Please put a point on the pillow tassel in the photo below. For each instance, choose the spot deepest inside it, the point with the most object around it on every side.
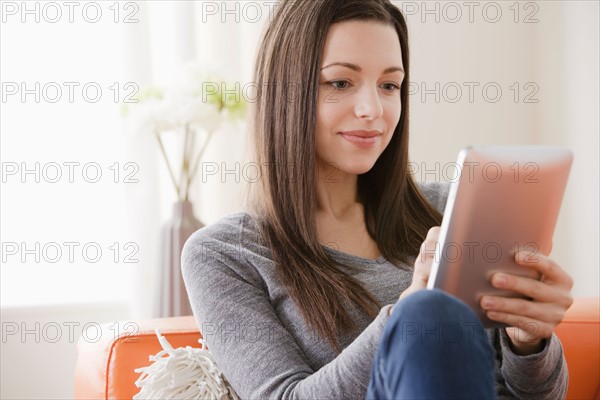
(182, 373)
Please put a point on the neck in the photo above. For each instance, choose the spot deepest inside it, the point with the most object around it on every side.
(336, 192)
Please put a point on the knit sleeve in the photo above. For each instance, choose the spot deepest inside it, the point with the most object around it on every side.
(542, 375)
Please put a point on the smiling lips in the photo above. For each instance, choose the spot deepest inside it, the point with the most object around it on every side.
(362, 139)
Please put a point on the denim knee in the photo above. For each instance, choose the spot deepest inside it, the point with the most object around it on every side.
(434, 318)
(433, 346)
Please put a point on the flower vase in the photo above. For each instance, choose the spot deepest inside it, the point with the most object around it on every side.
(173, 299)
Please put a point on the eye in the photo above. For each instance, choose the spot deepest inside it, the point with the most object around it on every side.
(339, 85)
(390, 87)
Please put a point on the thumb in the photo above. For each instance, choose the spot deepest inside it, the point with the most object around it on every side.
(425, 257)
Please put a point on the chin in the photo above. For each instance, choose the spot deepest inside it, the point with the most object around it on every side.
(359, 169)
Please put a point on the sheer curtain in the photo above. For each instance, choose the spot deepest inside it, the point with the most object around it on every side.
(170, 34)
(137, 43)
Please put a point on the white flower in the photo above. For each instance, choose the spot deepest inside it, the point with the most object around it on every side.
(148, 117)
(182, 109)
(192, 104)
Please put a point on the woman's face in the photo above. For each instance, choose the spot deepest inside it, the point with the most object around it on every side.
(359, 95)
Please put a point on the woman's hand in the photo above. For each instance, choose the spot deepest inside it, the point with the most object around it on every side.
(533, 320)
(423, 262)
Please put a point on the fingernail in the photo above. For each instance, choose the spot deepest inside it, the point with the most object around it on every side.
(493, 315)
(488, 302)
(500, 279)
(518, 256)
(521, 257)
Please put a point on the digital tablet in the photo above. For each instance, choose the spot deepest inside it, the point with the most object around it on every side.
(501, 198)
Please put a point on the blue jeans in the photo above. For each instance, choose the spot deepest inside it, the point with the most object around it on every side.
(433, 347)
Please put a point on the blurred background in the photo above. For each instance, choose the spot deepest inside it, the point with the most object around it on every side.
(83, 198)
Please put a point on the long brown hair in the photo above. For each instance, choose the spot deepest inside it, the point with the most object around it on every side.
(284, 200)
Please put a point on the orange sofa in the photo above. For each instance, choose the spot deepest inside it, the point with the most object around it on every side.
(105, 368)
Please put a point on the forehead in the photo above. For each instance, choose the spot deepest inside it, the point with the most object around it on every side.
(364, 43)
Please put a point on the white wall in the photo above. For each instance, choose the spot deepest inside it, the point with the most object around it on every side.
(582, 132)
(559, 55)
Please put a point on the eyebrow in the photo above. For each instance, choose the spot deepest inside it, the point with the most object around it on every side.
(356, 68)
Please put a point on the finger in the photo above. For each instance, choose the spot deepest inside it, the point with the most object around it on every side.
(426, 256)
(534, 289)
(551, 271)
(546, 312)
(422, 268)
(428, 247)
(432, 234)
(530, 330)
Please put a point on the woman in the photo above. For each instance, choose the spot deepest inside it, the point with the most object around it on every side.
(298, 296)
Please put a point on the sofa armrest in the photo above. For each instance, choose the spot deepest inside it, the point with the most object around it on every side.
(579, 333)
(106, 359)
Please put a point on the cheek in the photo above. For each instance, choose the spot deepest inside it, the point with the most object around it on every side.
(322, 129)
(394, 110)
(328, 115)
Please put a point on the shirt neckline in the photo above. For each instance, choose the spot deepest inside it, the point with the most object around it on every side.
(352, 257)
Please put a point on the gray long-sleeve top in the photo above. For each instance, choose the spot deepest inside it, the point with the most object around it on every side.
(258, 337)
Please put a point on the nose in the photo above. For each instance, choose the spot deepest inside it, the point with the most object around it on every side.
(368, 104)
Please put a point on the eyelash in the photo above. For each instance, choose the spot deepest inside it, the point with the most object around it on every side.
(396, 87)
(333, 84)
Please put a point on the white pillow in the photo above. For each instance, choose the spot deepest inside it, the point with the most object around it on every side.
(182, 373)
